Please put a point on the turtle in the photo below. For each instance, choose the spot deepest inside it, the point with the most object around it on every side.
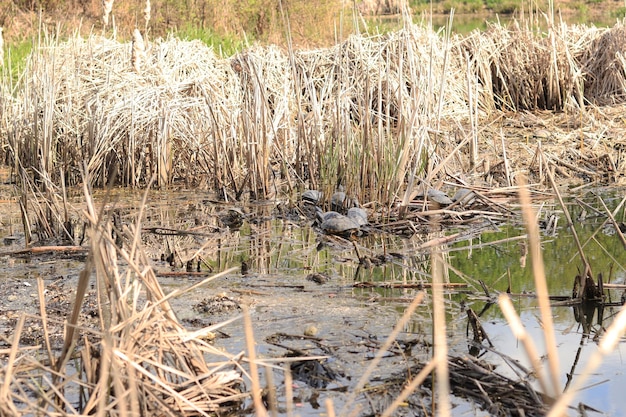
(334, 223)
(232, 218)
(338, 200)
(464, 197)
(312, 197)
(322, 216)
(358, 215)
(438, 197)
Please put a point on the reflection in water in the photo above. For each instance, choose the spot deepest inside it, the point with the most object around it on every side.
(584, 314)
(479, 334)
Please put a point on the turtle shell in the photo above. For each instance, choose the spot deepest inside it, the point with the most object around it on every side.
(439, 197)
(322, 216)
(338, 201)
(358, 215)
(312, 196)
(339, 225)
(464, 197)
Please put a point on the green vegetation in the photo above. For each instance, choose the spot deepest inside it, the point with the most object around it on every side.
(223, 45)
(619, 13)
(15, 58)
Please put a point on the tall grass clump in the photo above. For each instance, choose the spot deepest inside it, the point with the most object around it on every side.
(526, 69)
(260, 122)
(371, 113)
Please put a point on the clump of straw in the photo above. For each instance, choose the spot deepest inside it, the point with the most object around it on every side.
(605, 62)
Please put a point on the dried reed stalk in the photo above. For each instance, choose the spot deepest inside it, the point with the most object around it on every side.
(259, 408)
(440, 342)
(1, 47)
(107, 6)
(146, 14)
(543, 298)
(520, 333)
(138, 55)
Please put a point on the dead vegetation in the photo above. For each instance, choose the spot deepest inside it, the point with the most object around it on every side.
(370, 113)
(388, 117)
(135, 357)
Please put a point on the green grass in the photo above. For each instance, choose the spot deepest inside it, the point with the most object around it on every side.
(224, 45)
(15, 56)
(619, 13)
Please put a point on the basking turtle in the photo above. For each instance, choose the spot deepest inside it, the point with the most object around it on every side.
(334, 223)
(322, 216)
(232, 218)
(337, 200)
(438, 197)
(464, 197)
(358, 215)
(312, 196)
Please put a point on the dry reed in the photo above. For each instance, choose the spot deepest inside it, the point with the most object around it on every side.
(107, 7)
(146, 14)
(139, 360)
(138, 55)
(1, 48)
(369, 113)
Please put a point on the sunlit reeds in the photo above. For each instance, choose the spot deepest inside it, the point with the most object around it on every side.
(146, 14)
(369, 113)
(107, 8)
(138, 55)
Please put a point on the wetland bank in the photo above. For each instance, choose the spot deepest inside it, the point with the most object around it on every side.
(154, 221)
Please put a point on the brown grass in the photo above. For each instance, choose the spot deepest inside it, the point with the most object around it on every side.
(139, 359)
(377, 115)
(370, 113)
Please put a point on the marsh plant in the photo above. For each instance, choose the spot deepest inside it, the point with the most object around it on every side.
(369, 113)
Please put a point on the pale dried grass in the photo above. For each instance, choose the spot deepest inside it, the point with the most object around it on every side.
(139, 360)
(371, 113)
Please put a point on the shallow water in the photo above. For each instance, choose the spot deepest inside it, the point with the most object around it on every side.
(349, 323)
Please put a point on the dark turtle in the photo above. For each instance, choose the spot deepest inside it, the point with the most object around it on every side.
(334, 223)
(322, 216)
(339, 201)
(358, 215)
(232, 218)
(341, 225)
(464, 197)
(312, 196)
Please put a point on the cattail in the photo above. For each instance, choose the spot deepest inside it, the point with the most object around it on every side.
(1, 48)
(108, 6)
(146, 13)
(139, 51)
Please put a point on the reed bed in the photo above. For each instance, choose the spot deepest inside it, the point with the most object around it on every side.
(370, 113)
(136, 358)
